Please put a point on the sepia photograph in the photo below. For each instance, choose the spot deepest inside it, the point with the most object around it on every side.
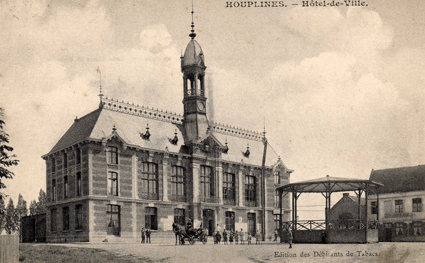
(212, 131)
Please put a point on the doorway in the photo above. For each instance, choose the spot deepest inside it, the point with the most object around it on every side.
(208, 221)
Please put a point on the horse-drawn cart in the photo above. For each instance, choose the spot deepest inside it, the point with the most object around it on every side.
(190, 235)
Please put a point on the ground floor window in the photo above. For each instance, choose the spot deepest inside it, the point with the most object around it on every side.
(150, 218)
(277, 221)
(79, 217)
(179, 216)
(399, 229)
(417, 228)
(113, 219)
(65, 218)
(230, 221)
(53, 218)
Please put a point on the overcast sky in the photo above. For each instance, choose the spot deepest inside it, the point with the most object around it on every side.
(341, 89)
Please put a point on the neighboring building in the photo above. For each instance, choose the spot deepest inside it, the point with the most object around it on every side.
(33, 228)
(399, 204)
(122, 168)
(345, 213)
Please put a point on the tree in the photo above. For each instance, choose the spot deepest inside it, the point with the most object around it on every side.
(10, 218)
(41, 204)
(33, 208)
(21, 207)
(2, 214)
(6, 159)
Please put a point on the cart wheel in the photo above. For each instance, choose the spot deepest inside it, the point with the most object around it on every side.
(204, 241)
(191, 241)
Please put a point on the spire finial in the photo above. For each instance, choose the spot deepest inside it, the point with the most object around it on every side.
(100, 86)
(192, 35)
(264, 129)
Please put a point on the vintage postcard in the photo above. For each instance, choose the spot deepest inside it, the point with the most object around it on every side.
(264, 131)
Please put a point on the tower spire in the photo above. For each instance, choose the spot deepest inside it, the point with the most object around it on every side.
(193, 34)
(100, 86)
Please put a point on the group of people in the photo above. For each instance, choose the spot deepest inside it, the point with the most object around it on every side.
(235, 236)
(146, 235)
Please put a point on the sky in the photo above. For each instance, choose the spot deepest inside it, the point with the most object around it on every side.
(338, 89)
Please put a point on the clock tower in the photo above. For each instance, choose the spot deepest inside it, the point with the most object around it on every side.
(194, 100)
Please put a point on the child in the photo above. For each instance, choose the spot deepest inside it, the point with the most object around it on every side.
(225, 237)
(257, 238)
(249, 239)
(231, 236)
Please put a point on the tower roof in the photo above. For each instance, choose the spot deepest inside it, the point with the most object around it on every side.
(193, 55)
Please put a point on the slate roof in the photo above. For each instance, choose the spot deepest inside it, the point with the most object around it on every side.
(130, 121)
(398, 180)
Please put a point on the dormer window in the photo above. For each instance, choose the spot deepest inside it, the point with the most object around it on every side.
(112, 155)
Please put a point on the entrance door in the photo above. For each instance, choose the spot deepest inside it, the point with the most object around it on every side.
(251, 224)
(388, 232)
(208, 221)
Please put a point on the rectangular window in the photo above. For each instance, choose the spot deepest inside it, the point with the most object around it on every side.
(79, 217)
(177, 182)
(276, 198)
(53, 218)
(417, 204)
(113, 219)
(65, 218)
(277, 221)
(277, 177)
(65, 187)
(399, 229)
(229, 188)
(398, 206)
(150, 181)
(230, 220)
(250, 190)
(78, 186)
(373, 207)
(112, 183)
(65, 161)
(112, 155)
(179, 217)
(53, 165)
(207, 182)
(150, 218)
(78, 156)
(417, 228)
(53, 190)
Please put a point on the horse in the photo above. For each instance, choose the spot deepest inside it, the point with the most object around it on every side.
(179, 232)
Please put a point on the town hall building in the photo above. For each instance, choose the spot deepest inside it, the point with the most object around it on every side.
(124, 167)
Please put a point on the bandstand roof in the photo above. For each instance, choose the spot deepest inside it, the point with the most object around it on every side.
(328, 184)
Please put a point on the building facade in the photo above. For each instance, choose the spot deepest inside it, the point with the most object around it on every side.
(123, 167)
(398, 208)
(345, 213)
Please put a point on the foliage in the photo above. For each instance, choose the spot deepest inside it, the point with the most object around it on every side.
(11, 223)
(41, 204)
(2, 214)
(6, 159)
(33, 208)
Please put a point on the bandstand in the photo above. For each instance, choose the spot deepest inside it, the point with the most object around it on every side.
(325, 231)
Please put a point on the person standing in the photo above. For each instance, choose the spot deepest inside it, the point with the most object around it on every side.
(257, 238)
(225, 237)
(290, 237)
(241, 236)
(236, 237)
(231, 237)
(143, 235)
(275, 234)
(249, 237)
(148, 236)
